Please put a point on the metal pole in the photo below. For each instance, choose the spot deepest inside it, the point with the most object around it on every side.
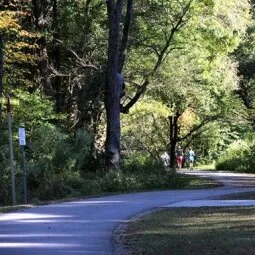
(24, 174)
(11, 151)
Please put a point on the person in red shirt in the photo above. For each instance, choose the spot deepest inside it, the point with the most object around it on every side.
(179, 157)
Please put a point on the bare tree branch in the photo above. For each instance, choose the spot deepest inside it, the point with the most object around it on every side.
(196, 128)
(79, 60)
(161, 57)
(140, 91)
(144, 146)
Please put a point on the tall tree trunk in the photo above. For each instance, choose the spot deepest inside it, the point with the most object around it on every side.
(173, 139)
(112, 89)
(56, 83)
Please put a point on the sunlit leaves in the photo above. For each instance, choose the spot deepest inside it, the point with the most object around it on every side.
(218, 25)
(19, 46)
(197, 77)
(145, 126)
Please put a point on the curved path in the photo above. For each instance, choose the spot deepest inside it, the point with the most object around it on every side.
(86, 226)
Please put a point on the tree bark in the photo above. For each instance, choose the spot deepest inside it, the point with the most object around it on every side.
(112, 89)
(173, 139)
(174, 134)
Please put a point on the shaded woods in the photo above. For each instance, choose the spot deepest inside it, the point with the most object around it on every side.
(105, 87)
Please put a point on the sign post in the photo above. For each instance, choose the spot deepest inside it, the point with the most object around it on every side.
(22, 143)
(8, 102)
(11, 150)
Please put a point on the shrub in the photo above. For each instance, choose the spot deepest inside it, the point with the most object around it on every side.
(240, 157)
(140, 163)
(91, 187)
(55, 161)
(138, 172)
(5, 172)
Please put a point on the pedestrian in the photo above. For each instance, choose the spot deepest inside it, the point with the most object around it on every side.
(166, 159)
(191, 158)
(179, 156)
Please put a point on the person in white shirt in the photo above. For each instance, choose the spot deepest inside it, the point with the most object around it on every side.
(165, 159)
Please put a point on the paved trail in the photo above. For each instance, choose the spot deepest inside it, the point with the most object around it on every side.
(85, 227)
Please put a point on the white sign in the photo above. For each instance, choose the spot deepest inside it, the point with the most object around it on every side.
(22, 136)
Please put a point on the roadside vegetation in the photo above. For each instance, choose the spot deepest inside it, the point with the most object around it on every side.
(105, 94)
(133, 177)
(239, 156)
(192, 231)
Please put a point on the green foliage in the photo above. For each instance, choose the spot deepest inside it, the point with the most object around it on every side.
(138, 173)
(140, 162)
(197, 77)
(245, 57)
(55, 162)
(239, 157)
(145, 128)
(119, 182)
(5, 172)
(19, 46)
(91, 186)
(34, 110)
(5, 183)
(214, 139)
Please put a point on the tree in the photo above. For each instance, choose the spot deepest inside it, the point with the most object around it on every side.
(114, 78)
(154, 38)
(18, 46)
(244, 54)
(205, 44)
(144, 129)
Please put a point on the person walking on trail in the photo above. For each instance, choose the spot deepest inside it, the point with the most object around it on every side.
(165, 159)
(191, 157)
(179, 157)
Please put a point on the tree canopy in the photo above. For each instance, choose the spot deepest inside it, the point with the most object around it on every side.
(121, 77)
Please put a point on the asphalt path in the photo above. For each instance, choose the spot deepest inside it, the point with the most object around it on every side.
(86, 226)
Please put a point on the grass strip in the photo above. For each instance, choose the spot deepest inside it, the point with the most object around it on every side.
(188, 231)
(239, 196)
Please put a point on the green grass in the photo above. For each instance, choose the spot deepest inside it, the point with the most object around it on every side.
(205, 167)
(194, 182)
(198, 231)
(6, 209)
(239, 196)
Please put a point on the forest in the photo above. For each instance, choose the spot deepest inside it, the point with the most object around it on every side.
(105, 87)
